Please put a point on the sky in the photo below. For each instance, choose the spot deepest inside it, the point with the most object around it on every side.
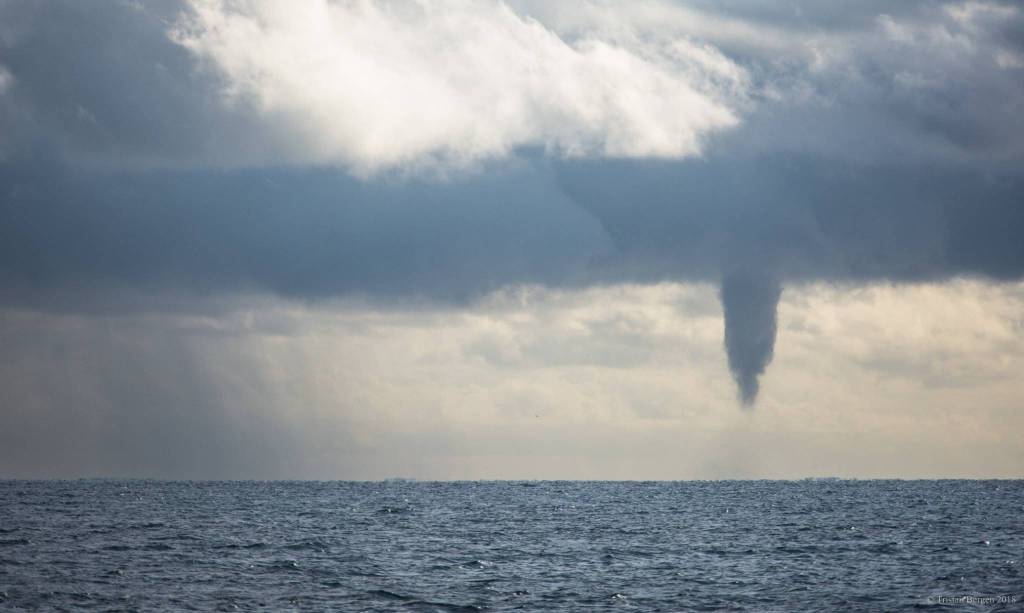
(477, 239)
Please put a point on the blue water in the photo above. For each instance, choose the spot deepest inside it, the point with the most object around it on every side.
(499, 546)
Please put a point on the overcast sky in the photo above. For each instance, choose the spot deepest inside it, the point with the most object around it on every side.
(522, 239)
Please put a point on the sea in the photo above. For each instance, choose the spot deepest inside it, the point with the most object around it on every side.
(812, 545)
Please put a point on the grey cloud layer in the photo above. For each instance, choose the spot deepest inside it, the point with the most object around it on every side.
(874, 142)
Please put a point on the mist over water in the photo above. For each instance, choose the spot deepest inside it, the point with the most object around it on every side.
(502, 546)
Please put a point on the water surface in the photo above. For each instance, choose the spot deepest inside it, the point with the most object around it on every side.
(502, 546)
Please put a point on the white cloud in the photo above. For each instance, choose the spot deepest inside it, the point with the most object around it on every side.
(379, 85)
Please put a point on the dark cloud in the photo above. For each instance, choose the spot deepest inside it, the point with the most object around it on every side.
(105, 85)
(318, 233)
(804, 219)
(300, 233)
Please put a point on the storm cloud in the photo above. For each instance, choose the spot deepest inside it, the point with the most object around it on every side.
(340, 149)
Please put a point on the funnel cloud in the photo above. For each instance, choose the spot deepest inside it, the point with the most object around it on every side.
(750, 303)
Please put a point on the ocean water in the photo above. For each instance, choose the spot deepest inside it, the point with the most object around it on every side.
(512, 546)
